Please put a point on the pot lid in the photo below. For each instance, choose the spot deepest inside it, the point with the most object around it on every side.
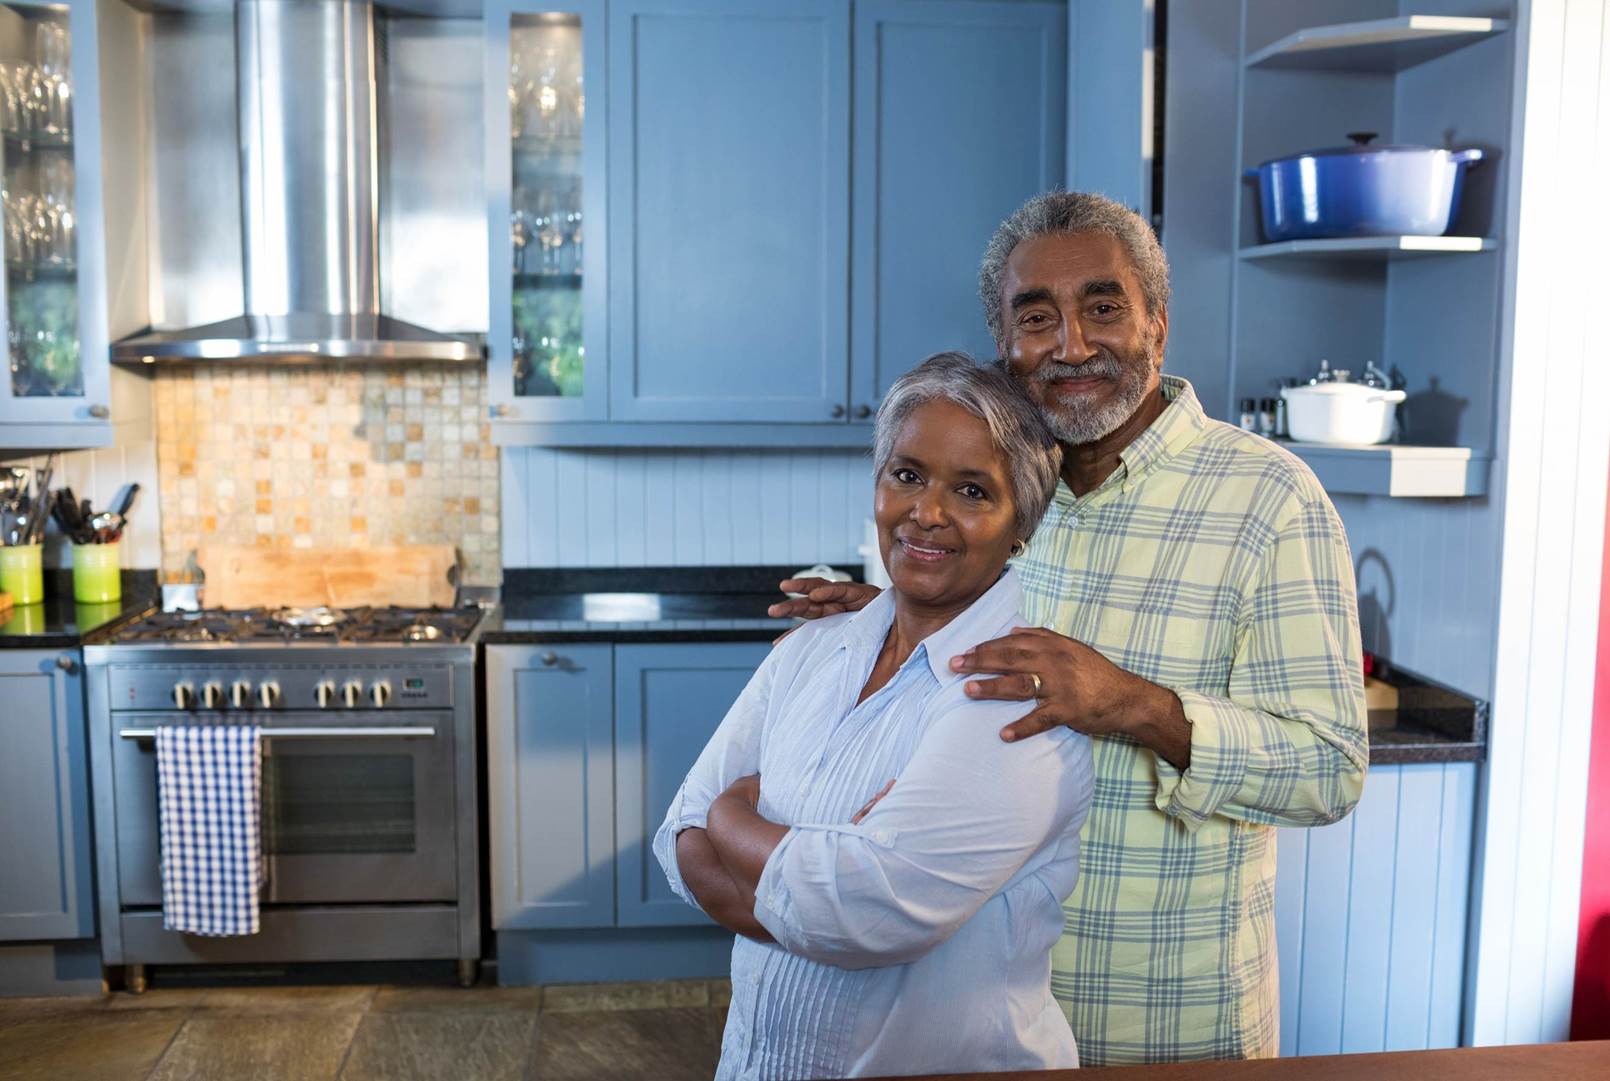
(1361, 145)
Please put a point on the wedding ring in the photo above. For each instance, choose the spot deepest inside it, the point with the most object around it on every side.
(1036, 681)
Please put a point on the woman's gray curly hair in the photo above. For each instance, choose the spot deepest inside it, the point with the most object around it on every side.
(1073, 212)
(1033, 457)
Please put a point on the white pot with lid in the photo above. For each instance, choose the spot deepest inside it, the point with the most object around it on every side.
(1341, 412)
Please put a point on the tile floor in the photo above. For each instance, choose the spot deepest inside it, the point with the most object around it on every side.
(665, 1031)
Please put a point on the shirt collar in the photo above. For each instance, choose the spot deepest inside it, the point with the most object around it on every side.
(1175, 428)
(981, 621)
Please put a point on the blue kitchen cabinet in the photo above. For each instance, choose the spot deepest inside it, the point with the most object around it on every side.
(729, 194)
(56, 391)
(1370, 916)
(550, 782)
(959, 116)
(44, 798)
(545, 85)
(669, 699)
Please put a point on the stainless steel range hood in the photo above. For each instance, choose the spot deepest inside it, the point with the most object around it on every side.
(307, 109)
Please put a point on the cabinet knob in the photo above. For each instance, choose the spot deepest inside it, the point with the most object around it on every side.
(66, 663)
(838, 409)
(862, 412)
(501, 410)
(550, 659)
(99, 412)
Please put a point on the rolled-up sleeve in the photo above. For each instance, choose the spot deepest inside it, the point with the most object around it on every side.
(965, 815)
(1288, 746)
(733, 752)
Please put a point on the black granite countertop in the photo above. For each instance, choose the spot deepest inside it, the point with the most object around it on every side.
(728, 604)
(1432, 723)
(668, 604)
(59, 621)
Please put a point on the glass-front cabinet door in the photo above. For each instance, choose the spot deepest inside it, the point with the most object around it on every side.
(54, 391)
(545, 174)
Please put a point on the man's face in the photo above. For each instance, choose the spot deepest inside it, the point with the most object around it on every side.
(1078, 335)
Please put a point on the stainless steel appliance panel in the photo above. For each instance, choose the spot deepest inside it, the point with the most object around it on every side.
(307, 102)
(345, 818)
(432, 195)
(151, 686)
(193, 186)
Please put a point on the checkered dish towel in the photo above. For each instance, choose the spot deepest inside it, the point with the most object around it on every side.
(209, 778)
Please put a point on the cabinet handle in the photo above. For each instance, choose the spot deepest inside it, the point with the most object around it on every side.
(838, 409)
(550, 659)
(100, 412)
(501, 410)
(862, 412)
(66, 663)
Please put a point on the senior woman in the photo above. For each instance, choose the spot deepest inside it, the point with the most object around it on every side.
(894, 870)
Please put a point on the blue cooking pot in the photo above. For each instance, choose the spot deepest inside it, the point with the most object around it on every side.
(1361, 190)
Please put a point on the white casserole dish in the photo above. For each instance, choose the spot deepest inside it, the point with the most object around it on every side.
(1341, 413)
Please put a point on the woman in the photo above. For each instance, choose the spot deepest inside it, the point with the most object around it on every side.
(894, 870)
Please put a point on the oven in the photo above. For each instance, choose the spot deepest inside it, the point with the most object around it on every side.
(368, 795)
(354, 808)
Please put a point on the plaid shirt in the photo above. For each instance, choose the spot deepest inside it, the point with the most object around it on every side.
(1212, 563)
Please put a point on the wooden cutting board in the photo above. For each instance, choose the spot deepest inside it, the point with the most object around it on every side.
(413, 575)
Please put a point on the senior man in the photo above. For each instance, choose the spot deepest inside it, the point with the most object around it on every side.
(1196, 614)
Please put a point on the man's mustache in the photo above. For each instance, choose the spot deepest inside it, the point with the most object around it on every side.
(1104, 365)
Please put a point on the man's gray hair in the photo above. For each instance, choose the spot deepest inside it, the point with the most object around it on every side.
(1073, 212)
(1033, 457)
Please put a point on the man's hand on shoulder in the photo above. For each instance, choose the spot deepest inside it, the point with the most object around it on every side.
(1075, 686)
(821, 598)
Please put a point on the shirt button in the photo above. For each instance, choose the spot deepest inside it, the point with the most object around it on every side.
(804, 787)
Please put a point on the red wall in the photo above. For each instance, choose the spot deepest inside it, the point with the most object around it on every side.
(1590, 1007)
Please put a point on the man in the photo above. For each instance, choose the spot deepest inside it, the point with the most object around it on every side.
(1203, 627)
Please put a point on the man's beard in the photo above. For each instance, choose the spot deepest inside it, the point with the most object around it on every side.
(1076, 422)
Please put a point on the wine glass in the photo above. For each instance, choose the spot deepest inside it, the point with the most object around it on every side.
(55, 88)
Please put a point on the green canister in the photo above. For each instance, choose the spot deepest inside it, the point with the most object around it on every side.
(96, 577)
(22, 573)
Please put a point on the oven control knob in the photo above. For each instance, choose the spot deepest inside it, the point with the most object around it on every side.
(324, 692)
(380, 693)
(212, 694)
(352, 693)
(184, 695)
(240, 694)
(268, 694)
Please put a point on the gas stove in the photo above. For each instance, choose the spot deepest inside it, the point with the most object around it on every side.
(367, 721)
(301, 626)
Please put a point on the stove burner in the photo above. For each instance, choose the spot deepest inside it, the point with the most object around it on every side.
(291, 626)
(308, 617)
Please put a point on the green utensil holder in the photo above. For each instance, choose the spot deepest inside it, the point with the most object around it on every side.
(96, 578)
(22, 573)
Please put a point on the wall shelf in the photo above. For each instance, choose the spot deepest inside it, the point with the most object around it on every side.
(1370, 247)
(1379, 45)
(1390, 470)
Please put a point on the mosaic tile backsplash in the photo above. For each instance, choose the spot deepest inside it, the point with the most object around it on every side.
(330, 456)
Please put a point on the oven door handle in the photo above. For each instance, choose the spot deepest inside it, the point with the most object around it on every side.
(347, 732)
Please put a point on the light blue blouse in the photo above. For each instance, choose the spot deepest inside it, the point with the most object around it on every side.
(919, 940)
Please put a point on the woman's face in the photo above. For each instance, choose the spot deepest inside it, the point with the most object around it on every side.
(944, 508)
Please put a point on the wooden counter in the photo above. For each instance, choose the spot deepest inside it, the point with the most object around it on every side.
(1534, 1062)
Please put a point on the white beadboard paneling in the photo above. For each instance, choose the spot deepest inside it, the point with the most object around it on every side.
(1556, 436)
(1426, 573)
(623, 508)
(1370, 916)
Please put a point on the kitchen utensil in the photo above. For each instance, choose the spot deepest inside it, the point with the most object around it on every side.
(1361, 190)
(104, 526)
(241, 576)
(126, 500)
(1337, 412)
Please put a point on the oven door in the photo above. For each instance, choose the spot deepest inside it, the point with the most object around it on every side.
(355, 807)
